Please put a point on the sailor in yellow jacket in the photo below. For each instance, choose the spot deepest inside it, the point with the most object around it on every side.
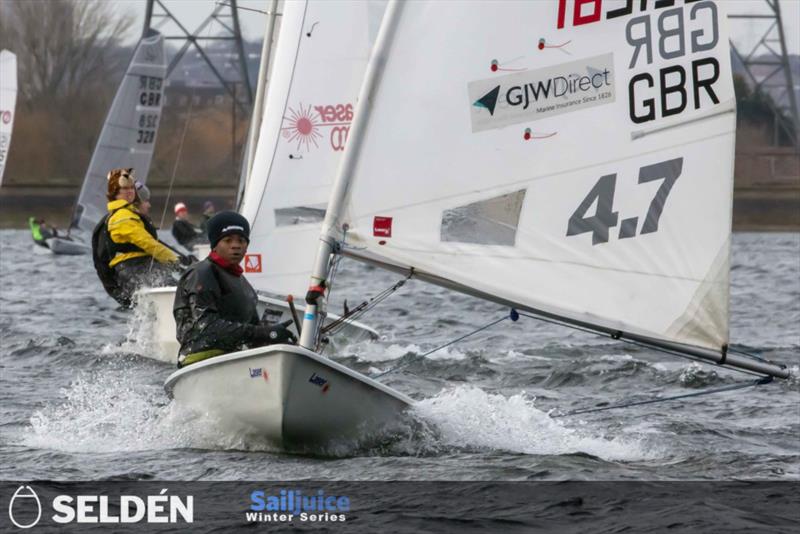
(138, 258)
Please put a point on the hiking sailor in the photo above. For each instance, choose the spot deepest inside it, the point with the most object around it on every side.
(215, 307)
(125, 246)
(41, 232)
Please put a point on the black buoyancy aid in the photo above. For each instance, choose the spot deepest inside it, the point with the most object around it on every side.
(104, 249)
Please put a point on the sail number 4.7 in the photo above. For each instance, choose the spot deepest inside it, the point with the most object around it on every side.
(602, 196)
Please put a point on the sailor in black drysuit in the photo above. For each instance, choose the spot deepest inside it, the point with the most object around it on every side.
(215, 307)
(184, 232)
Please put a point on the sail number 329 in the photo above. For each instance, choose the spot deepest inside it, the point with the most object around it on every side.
(602, 196)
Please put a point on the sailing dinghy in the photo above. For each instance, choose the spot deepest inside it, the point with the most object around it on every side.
(309, 106)
(127, 140)
(8, 103)
(572, 163)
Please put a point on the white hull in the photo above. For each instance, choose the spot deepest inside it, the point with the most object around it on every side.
(290, 397)
(67, 247)
(201, 251)
(161, 322)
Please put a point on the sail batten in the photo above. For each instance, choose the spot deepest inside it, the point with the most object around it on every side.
(591, 180)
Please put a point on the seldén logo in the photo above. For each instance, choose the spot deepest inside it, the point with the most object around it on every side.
(25, 508)
(21, 505)
(523, 97)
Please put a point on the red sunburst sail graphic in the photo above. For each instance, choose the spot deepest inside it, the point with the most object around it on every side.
(302, 125)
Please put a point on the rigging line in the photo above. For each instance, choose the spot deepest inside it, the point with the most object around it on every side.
(337, 325)
(757, 382)
(513, 316)
(751, 355)
(175, 168)
(365, 306)
(177, 158)
(633, 342)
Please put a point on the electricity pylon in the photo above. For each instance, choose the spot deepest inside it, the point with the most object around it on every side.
(225, 17)
(768, 70)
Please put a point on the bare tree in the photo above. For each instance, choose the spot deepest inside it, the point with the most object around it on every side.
(62, 46)
(70, 60)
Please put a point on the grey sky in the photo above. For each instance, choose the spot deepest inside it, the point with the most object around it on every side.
(744, 33)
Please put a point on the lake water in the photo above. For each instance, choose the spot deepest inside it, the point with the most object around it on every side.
(79, 401)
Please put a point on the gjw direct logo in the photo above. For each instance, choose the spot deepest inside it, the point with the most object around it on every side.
(25, 508)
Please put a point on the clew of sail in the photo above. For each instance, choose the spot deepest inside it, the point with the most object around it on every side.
(129, 133)
(575, 163)
(8, 102)
(320, 58)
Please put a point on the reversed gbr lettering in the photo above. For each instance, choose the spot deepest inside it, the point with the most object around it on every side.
(673, 34)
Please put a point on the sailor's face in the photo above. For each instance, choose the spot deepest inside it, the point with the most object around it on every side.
(126, 193)
(232, 248)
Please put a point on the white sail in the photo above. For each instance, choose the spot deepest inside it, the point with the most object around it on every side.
(264, 74)
(8, 102)
(319, 63)
(128, 136)
(578, 163)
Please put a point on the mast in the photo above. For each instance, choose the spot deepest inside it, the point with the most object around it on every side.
(258, 109)
(329, 233)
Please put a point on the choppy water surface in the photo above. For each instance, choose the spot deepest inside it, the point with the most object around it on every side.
(79, 401)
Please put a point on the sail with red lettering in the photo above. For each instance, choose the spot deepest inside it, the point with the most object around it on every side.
(573, 158)
(320, 58)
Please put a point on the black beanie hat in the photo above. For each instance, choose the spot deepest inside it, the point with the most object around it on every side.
(227, 223)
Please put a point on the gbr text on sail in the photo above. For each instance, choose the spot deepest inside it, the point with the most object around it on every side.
(672, 45)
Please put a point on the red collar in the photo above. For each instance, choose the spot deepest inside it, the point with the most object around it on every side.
(233, 268)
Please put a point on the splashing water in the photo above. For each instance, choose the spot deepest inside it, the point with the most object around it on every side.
(373, 353)
(114, 410)
(470, 417)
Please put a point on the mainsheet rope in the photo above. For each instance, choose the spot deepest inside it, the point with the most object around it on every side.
(514, 315)
(732, 387)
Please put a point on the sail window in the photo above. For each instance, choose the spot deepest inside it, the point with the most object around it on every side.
(488, 222)
(299, 215)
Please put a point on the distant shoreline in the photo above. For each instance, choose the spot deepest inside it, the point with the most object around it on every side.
(55, 204)
(754, 209)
